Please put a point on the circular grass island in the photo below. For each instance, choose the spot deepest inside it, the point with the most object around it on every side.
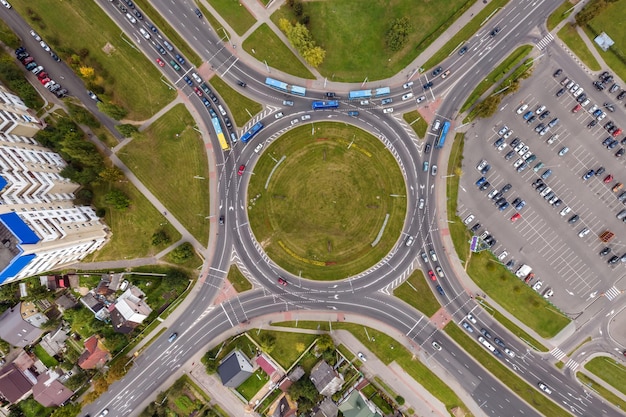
(326, 205)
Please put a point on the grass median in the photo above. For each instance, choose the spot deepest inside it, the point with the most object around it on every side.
(237, 16)
(465, 34)
(417, 123)
(416, 292)
(458, 232)
(238, 280)
(240, 106)
(265, 46)
(561, 13)
(610, 371)
(164, 26)
(569, 35)
(510, 62)
(601, 390)
(389, 350)
(169, 157)
(502, 373)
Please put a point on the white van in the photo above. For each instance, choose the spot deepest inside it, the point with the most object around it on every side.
(144, 33)
(436, 125)
(221, 109)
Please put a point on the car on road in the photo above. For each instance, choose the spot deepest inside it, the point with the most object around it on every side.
(287, 103)
(432, 276)
(471, 318)
(160, 62)
(467, 327)
(440, 290)
(407, 96)
(436, 345)
(386, 101)
(407, 85)
(282, 282)
(105, 411)
(543, 387)
(388, 110)
(433, 170)
(433, 255)
(437, 71)
(361, 356)
(170, 339)
(428, 85)
(509, 352)
(242, 168)
(463, 50)
(279, 115)
(495, 31)
(420, 99)
(424, 257)
(409, 241)
(439, 271)
(485, 333)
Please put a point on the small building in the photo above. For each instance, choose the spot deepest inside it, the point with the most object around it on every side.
(14, 386)
(234, 369)
(356, 405)
(49, 392)
(326, 408)
(95, 354)
(96, 306)
(15, 330)
(54, 342)
(283, 408)
(129, 310)
(326, 380)
(66, 301)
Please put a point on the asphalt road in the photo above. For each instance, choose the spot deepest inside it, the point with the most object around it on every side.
(202, 323)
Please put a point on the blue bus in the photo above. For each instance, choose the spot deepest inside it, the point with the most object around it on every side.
(251, 132)
(442, 136)
(333, 104)
(359, 94)
(283, 86)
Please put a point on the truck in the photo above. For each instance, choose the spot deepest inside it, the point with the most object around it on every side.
(523, 271)
(606, 236)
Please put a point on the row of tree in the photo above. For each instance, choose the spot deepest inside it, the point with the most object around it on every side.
(301, 39)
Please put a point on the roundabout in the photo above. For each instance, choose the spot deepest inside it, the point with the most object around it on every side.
(326, 205)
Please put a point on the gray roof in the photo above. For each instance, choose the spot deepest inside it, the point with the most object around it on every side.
(234, 369)
(327, 408)
(324, 378)
(15, 330)
(357, 406)
(13, 384)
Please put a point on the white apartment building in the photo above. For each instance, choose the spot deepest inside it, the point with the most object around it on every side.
(40, 227)
(15, 117)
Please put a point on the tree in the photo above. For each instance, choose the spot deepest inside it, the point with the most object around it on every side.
(113, 110)
(314, 56)
(84, 197)
(304, 393)
(127, 130)
(325, 342)
(86, 72)
(488, 106)
(398, 33)
(267, 341)
(298, 9)
(182, 253)
(111, 174)
(117, 199)
(70, 410)
(159, 237)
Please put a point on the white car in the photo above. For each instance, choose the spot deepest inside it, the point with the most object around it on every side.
(503, 255)
(44, 46)
(362, 357)
(549, 293)
(436, 345)
(537, 285)
(144, 33)
(552, 139)
(130, 18)
(523, 150)
(278, 115)
(492, 193)
(509, 352)
(584, 232)
(407, 96)
(364, 102)
(5, 3)
(507, 134)
(294, 121)
(421, 204)
(565, 211)
(578, 92)
(502, 130)
(543, 387)
(563, 151)
(196, 77)
(35, 35)
(481, 164)
(258, 148)
(468, 219)
(420, 99)
(527, 155)
(502, 146)
(521, 108)
(601, 116)
(574, 88)
(305, 117)
(593, 108)
(407, 85)
(517, 163)
(388, 110)
(471, 318)
(540, 109)
(519, 147)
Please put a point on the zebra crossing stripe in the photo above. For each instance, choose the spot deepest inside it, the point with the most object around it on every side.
(557, 353)
(545, 41)
(612, 293)
(572, 364)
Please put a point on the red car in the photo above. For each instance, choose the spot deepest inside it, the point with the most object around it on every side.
(282, 282)
(42, 75)
(160, 62)
(608, 179)
(241, 169)
(44, 81)
(617, 132)
(575, 109)
(516, 217)
(432, 276)
(197, 90)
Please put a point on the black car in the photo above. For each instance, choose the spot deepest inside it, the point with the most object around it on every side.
(330, 95)
(475, 228)
(600, 171)
(485, 169)
(55, 57)
(509, 155)
(621, 95)
(497, 196)
(573, 219)
(495, 31)
(130, 4)
(605, 251)
(198, 13)
(510, 264)
(592, 124)
(610, 107)
(484, 186)
(620, 152)
(137, 14)
(241, 83)
(531, 119)
(180, 59)
(499, 342)
(499, 201)
(557, 72)
(428, 85)
(463, 50)
(581, 98)
(427, 148)
(614, 259)
(506, 188)
(560, 92)
(515, 142)
(152, 28)
(544, 115)
(227, 122)
(437, 71)
(221, 220)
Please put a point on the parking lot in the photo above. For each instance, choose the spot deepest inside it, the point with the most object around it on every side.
(556, 228)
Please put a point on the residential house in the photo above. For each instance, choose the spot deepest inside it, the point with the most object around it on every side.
(95, 305)
(66, 301)
(95, 354)
(16, 330)
(129, 311)
(14, 385)
(326, 380)
(326, 408)
(356, 405)
(54, 342)
(49, 392)
(283, 407)
(234, 369)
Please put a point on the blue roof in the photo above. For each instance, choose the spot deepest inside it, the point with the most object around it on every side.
(3, 182)
(16, 265)
(20, 229)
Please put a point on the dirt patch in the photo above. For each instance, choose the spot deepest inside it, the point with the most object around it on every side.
(108, 49)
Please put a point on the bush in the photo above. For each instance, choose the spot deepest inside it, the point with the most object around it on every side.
(182, 253)
(117, 199)
(398, 33)
(159, 237)
(113, 110)
(400, 400)
(127, 130)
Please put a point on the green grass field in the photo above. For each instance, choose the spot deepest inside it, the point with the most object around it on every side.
(389, 350)
(237, 16)
(610, 371)
(515, 296)
(510, 62)
(132, 228)
(503, 374)
(240, 106)
(253, 384)
(465, 34)
(235, 277)
(289, 346)
(607, 22)
(416, 292)
(359, 26)
(264, 45)
(572, 39)
(167, 164)
(44, 357)
(326, 202)
(417, 123)
(560, 14)
(175, 39)
(601, 390)
(129, 78)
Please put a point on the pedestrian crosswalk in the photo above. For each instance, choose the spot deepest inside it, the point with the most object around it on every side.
(557, 353)
(541, 45)
(572, 364)
(612, 293)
